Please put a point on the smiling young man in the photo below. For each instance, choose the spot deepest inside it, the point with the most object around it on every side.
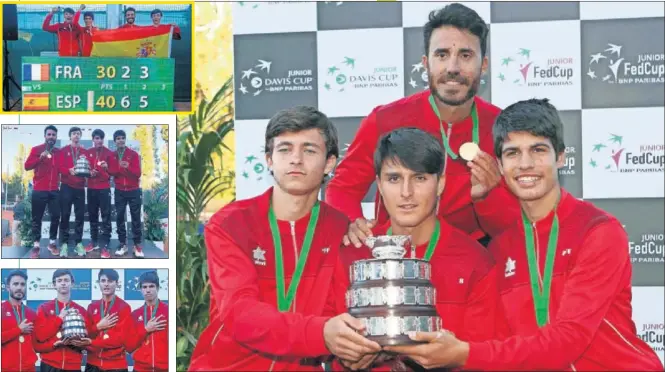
(87, 31)
(130, 17)
(72, 192)
(17, 326)
(474, 201)
(45, 190)
(68, 32)
(57, 353)
(102, 164)
(409, 175)
(275, 274)
(106, 351)
(566, 289)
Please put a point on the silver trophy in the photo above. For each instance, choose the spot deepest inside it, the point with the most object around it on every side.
(73, 327)
(82, 167)
(391, 294)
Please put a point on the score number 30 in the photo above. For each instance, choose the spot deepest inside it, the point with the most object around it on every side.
(110, 72)
(110, 102)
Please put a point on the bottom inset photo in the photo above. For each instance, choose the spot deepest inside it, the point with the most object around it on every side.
(85, 319)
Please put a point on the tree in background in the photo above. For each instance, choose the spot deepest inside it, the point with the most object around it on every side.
(143, 134)
(19, 162)
(155, 149)
(164, 156)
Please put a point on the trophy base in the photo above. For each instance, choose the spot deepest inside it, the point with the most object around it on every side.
(401, 340)
(83, 175)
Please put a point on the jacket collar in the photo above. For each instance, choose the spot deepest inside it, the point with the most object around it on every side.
(564, 208)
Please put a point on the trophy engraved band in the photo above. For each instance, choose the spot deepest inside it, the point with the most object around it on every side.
(391, 294)
(74, 325)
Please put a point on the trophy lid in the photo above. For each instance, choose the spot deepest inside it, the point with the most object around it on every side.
(388, 246)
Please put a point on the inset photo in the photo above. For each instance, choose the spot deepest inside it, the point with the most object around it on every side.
(89, 191)
(85, 319)
(101, 58)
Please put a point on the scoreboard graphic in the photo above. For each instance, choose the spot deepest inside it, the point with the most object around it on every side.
(89, 84)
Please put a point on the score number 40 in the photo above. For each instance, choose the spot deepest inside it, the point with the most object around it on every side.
(109, 72)
(109, 102)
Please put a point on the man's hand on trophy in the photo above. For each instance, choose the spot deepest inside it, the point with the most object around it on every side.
(82, 342)
(156, 324)
(343, 339)
(107, 322)
(63, 314)
(359, 230)
(94, 173)
(442, 349)
(485, 175)
(72, 172)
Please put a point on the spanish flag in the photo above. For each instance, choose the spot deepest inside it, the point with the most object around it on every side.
(35, 101)
(137, 42)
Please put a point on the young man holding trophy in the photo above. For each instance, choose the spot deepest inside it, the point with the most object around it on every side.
(17, 326)
(45, 189)
(102, 164)
(409, 165)
(58, 335)
(277, 284)
(71, 163)
(566, 288)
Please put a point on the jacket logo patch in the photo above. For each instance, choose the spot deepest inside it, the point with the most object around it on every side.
(259, 256)
(95, 312)
(140, 317)
(325, 250)
(9, 314)
(461, 280)
(510, 267)
(566, 252)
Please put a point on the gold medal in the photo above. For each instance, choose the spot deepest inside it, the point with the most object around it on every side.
(48, 156)
(59, 335)
(21, 339)
(99, 163)
(106, 336)
(468, 151)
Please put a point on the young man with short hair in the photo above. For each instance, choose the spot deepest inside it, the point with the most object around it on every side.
(150, 342)
(127, 181)
(106, 351)
(102, 165)
(156, 16)
(566, 288)
(87, 31)
(17, 326)
(130, 17)
(283, 240)
(68, 32)
(409, 164)
(45, 189)
(72, 192)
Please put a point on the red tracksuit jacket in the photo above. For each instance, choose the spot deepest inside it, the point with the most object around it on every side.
(247, 332)
(46, 176)
(109, 352)
(150, 352)
(590, 325)
(65, 161)
(68, 36)
(86, 36)
(464, 276)
(127, 179)
(47, 325)
(355, 173)
(101, 180)
(16, 356)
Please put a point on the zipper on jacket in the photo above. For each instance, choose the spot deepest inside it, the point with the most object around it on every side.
(621, 336)
(295, 251)
(63, 358)
(20, 356)
(152, 344)
(572, 367)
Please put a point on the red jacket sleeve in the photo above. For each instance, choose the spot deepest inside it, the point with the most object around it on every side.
(10, 334)
(481, 309)
(45, 327)
(77, 17)
(47, 26)
(116, 333)
(336, 303)
(63, 168)
(355, 173)
(32, 160)
(112, 162)
(601, 271)
(136, 335)
(255, 324)
(135, 166)
(176, 33)
(499, 210)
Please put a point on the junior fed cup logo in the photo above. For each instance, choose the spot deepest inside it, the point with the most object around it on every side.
(613, 155)
(260, 79)
(521, 70)
(613, 67)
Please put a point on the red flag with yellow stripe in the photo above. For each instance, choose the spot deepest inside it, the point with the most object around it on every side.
(138, 42)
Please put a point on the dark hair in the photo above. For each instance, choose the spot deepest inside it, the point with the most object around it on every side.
(16, 273)
(535, 116)
(111, 274)
(62, 272)
(68, 10)
(130, 9)
(119, 133)
(74, 129)
(300, 118)
(414, 148)
(89, 14)
(51, 127)
(460, 17)
(149, 277)
(98, 132)
(156, 11)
